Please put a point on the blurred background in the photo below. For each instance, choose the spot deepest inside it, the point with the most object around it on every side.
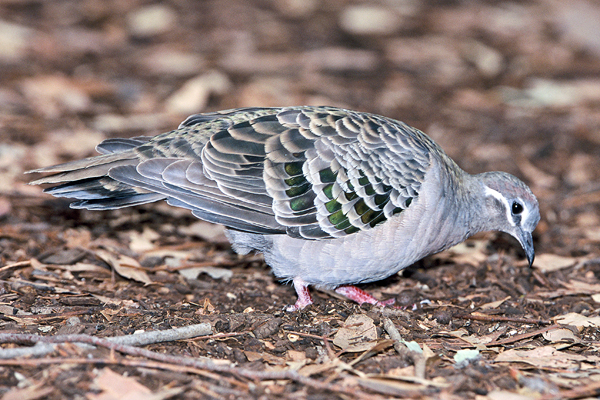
(501, 85)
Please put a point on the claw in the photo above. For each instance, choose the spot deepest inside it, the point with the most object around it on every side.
(360, 296)
(304, 297)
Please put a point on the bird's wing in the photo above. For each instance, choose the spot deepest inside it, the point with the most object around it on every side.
(311, 172)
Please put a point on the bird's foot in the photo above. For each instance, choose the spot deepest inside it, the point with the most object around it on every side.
(360, 296)
(304, 297)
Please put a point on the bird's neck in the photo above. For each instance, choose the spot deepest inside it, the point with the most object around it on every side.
(456, 212)
(473, 203)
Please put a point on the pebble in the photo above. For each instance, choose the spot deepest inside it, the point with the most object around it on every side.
(579, 24)
(369, 20)
(435, 57)
(553, 93)
(297, 9)
(581, 169)
(489, 61)
(73, 321)
(52, 95)
(14, 42)
(173, 62)
(5, 207)
(268, 92)
(112, 123)
(151, 21)
(339, 59)
(194, 95)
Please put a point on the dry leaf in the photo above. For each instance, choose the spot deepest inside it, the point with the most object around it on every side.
(213, 272)
(552, 262)
(118, 387)
(427, 352)
(295, 355)
(83, 267)
(207, 306)
(204, 230)
(266, 357)
(560, 335)
(506, 395)
(582, 287)
(577, 320)
(494, 304)
(376, 347)
(77, 238)
(357, 334)
(470, 252)
(114, 386)
(33, 392)
(545, 357)
(109, 313)
(142, 242)
(125, 266)
(391, 387)
(314, 369)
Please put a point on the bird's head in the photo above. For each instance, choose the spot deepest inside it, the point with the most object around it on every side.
(511, 207)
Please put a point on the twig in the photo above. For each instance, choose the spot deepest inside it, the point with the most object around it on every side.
(34, 362)
(323, 338)
(138, 339)
(199, 264)
(522, 336)
(221, 335)
(496, 318)
(16, 265)
(185, 361)
(590, 391)
(40, 349)
(169, 335)
(43, 317)
(418, 359)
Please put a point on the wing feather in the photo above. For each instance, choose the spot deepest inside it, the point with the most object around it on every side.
(311, 172)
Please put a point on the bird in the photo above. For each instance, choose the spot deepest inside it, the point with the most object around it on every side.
(331, 197)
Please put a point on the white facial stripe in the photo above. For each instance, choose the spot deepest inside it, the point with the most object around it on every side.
(497, 195)
(525, 214)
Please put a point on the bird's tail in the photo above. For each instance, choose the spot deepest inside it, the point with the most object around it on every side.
(87, 180)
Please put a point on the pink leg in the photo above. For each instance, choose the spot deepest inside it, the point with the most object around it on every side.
(304, 297)
(360, 296)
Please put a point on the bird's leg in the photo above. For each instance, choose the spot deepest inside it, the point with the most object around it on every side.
(304, 297)
(360, 296)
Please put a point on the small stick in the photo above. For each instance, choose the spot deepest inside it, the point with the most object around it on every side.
(418, 359)
(16, 265)
(47, 344)
(497, 318)
(522, 336)
(185, 361)
(323, 338)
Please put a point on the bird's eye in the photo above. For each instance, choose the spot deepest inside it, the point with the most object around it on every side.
(517, 208)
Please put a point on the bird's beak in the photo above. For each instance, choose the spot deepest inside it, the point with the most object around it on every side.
(526, 241)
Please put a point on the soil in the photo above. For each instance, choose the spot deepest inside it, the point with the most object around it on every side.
(511, 86)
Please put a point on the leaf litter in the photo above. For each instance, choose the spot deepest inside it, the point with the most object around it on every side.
(156, 268)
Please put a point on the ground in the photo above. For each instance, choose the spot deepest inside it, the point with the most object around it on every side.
(510, 86)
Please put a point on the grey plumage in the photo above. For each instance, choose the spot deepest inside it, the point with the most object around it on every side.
(331, 197)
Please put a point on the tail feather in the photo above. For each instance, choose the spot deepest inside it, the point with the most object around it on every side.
(83, 169)
(87, 180)
(112, 203)
(93, 189)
